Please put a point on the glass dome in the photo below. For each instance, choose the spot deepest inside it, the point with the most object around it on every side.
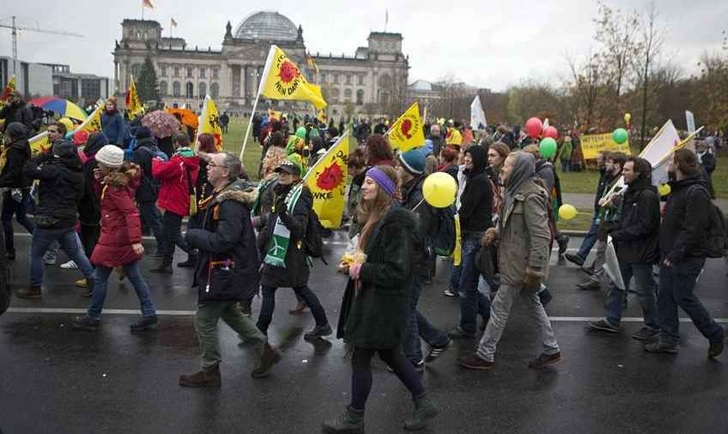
(267, 26)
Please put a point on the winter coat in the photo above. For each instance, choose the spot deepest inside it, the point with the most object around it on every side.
(685, 226)
(426, 222)
(565, 151)
(707, 160)
(60, 190)
(112, 125)
(19, 112)
(174, 191)
(17, 153)
(296, 271)
(436, 145)
(605, 178)
(377, 315)
(89, 211)
(476, 202)
(524, 235)
(227, 235)
(637, 233)
(451, 169)
(143, 154)
(120, 224)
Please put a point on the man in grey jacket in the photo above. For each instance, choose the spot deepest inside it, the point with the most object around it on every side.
(523, 259)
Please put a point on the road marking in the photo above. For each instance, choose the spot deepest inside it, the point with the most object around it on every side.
(63, 310)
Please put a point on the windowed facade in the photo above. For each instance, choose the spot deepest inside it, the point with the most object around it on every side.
(360, 80)
(214, 90)
(202, 89)
(347, 95)
(203, 71)
(189, 72)
(348, 78)
(215, 73)
(176, 89)
(176, 71)
(163, 88)
(163, 71)
(359, 97)
(190, 90)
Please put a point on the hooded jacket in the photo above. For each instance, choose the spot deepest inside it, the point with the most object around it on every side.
(60, 190)
(18, 112)
(120, 224)
(426, 224)
(637, 233)
(685, 226)
(476, 201)
(143, 154)
(227, 247)
(90, 208)
(17, 153)
(174, 177)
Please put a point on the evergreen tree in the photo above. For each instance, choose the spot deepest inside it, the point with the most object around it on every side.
(147, 84)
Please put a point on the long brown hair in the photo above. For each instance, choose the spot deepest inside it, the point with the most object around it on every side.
(369, 212)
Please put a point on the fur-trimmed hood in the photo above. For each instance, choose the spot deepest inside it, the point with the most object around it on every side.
(239, 191)
(126, 178)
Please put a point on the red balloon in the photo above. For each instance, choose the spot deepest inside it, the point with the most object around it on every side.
(551, 132)
(534, 126)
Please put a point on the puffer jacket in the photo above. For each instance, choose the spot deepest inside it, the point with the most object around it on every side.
(226, 243)
(60, 190)
(120, 224)
(174, 192)
(637, 233)
(524, 235)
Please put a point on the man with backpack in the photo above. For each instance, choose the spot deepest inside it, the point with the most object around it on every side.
(686, 238)
(285, 248)
(146, 195)
(410, 169)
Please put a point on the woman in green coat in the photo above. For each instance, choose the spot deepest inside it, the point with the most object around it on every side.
(375, 311)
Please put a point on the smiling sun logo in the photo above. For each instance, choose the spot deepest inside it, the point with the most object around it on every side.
(289, 78)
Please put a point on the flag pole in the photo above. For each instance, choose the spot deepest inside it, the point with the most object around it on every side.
(261, 84)
(250, 123)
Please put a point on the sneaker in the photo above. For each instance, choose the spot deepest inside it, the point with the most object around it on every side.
(574, 258)
(86, 323)
(457, 333)
(49, 261)
(717, 346)
(70, 265)
(591, 285)
(318, 332)
(449, 293)
(603, 326)
(435, 352)
(544, 360)
(473, 361)
(646, 334)
(144, 323)
(33, 292)
(81, 283)
(659, 347)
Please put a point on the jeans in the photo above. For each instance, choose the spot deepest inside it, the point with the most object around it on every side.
(12, 207)
(361, 374)
(151, 217)
(206, 320)
(420, 327)
(676, 289)
(134, 274)
(454, 282)
(589, 239)
(269, 305)
(173, 235)
(646, 293)
(502, 304)
(68, 240)
(472, 302)
(566, 165)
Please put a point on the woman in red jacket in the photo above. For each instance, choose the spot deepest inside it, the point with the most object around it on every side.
(120, 243)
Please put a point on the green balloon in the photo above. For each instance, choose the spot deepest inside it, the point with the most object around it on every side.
(547, 148)
(620, 135)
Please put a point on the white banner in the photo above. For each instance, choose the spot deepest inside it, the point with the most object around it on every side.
(690, 120)
(477, 115)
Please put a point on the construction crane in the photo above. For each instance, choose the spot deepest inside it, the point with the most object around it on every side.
(15, 29)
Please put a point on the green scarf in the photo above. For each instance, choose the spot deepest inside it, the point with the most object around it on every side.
(281, 239)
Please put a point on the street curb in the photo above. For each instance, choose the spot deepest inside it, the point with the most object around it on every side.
(574, 233)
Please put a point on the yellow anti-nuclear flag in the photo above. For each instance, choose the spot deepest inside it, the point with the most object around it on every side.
(406, 132)
(283, 80)
(39, 143)
(133, 103)
(327, 182)
(210, 122)
(321, 116)
(92, 123)
(272, 114)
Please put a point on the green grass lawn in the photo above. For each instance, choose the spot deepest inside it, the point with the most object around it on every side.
(233, 142)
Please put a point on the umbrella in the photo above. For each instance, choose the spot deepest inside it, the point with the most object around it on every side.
(186, 116)
(161, 124)
(61, 106)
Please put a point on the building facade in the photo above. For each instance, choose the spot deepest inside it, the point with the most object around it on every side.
(373, 81)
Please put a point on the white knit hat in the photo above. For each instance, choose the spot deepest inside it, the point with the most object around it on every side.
(110, 156)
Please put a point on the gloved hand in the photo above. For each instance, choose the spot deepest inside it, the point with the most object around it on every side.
(532, 279)
(490, 235)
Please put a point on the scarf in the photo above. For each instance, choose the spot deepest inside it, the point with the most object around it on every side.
(281, 239)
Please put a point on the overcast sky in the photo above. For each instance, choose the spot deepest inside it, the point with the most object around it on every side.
(491, 44)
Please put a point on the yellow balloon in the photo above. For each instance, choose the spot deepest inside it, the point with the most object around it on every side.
(439, 190)
(627, 117)
(567, 212)
(664, 189)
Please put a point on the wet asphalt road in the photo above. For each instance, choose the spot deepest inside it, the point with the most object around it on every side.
(56, 380)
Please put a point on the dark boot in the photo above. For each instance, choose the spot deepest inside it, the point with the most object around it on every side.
(209, 378)
(86, 323)
(563, 242)
(300, 308)
(268, 358)
(424, 410)
(349, 422)
(144, 323)
(191, 261)
(318, 332)
(164, 268)
(30, 292)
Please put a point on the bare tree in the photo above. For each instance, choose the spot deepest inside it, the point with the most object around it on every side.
(653, 36)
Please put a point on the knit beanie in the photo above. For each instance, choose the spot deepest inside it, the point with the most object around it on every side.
(143, 133)
(413, 161)
(110, 156)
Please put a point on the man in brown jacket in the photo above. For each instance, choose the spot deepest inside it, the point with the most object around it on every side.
(523, 258)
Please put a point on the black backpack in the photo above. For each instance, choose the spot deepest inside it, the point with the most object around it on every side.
(443, 242)
(313, 243)
(716, 244)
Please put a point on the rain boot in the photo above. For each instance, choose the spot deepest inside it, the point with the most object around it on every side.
(424, 410)
(349, 422)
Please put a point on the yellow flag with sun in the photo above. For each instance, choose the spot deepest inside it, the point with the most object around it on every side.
(92, 123)
(406, 132)
(327, 182)
(282, 80)
(133, 103)
(210, 122)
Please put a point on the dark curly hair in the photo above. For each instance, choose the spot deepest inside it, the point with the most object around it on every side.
(378, 149)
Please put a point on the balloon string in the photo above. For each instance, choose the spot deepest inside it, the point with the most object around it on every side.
(417, 206)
